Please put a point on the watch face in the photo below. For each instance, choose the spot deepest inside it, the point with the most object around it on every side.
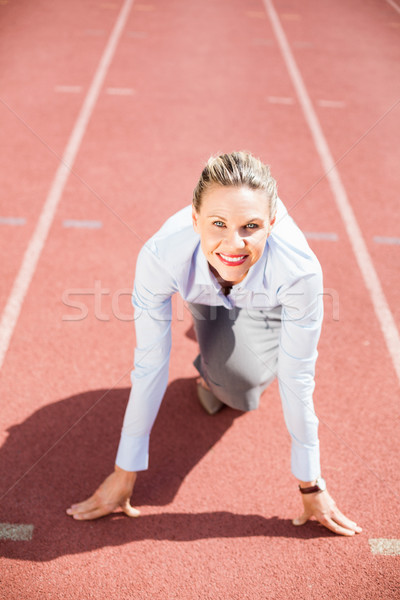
(321, 483)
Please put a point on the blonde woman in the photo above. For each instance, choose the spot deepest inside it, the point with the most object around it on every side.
(254, 289)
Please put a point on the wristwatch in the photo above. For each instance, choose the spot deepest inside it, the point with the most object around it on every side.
(320, 486)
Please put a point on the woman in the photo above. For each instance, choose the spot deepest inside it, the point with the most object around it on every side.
(254, 289)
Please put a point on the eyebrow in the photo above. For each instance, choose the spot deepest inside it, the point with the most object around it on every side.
(224, 218)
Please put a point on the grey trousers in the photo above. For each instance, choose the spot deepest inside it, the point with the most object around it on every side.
(238, 351)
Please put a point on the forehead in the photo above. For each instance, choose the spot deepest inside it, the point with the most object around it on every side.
(232, 202)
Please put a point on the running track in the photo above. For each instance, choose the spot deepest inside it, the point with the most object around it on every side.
(108, 110)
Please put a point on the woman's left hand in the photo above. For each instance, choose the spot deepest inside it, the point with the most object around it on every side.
(322, 507)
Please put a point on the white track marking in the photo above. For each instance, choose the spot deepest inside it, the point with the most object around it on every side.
(120, 91)
(321, 235)
(16, 533)
(68, 89)
(144, 7)
(371, 279)
(290, 17)
(263, 42)
(331, 103)
(82, 224)
(12, 221)
(280, 100)
(386, 240)
(32, 254)
(385, 546)
(302, 44)
(137, 34)
(94, 32)
(394, 5)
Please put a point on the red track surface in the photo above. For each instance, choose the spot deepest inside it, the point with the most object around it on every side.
(218, 498)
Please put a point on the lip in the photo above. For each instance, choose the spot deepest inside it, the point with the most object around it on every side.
(232, 263)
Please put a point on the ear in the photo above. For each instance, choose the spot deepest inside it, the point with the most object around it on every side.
(194, 219)
(270, 225)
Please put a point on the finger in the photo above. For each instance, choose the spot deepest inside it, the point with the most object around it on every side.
(335, 527)
(92, 504)
(347, 523)
(85, 506)
(302, 519)
(90, 516)
(130, 510)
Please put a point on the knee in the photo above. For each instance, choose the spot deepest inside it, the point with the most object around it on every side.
(238, 397)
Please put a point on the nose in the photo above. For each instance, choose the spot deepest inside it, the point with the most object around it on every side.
(235, 240)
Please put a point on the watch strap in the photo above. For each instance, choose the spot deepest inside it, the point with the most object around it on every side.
(310, 490)
(320, 486)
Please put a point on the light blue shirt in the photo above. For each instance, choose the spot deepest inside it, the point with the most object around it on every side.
(288, 275)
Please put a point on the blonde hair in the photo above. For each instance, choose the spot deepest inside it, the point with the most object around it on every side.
(237, 169)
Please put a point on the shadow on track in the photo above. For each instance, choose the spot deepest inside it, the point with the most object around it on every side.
(64, 458)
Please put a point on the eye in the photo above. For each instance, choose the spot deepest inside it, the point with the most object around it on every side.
(219, 223)
(252, 226)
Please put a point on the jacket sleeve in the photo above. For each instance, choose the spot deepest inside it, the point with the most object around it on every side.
(302, 313)
(151, 299)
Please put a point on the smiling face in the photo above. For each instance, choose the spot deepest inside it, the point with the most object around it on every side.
(233, 224)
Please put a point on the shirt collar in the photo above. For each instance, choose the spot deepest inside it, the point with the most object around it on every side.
(203, 275)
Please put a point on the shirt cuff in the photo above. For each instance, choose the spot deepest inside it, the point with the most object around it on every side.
(305, 462)
(133, 453)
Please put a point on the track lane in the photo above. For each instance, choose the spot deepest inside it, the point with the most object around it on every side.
(32, 254)
(361, 76)
(228, 529)
(36, 118)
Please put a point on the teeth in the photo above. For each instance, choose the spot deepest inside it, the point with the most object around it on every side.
(233, 259)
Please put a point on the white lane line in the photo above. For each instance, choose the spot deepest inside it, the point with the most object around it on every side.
(263, 42)
(290, 16)
(82, 224)
(385, 546)
(331, 103)
(394, 5)
(321, 235)
(386, 240)
(144, 7)
(68, 89)
(113, 91)
(280, 100)
(94, 31)
(365, 264)
(12, 221)
(137, 34)
(16, 533)
(21, 284)
(301, 44)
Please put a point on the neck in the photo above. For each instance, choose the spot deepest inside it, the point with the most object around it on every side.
(222, 282)
(225, 285)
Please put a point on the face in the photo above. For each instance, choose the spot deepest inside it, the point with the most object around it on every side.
(233, 224)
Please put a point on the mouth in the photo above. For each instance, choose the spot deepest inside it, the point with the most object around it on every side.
(232, 260)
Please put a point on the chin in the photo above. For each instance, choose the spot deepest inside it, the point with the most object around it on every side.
(232, 276)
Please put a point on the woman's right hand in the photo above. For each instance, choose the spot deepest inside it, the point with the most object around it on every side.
(115, 492)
